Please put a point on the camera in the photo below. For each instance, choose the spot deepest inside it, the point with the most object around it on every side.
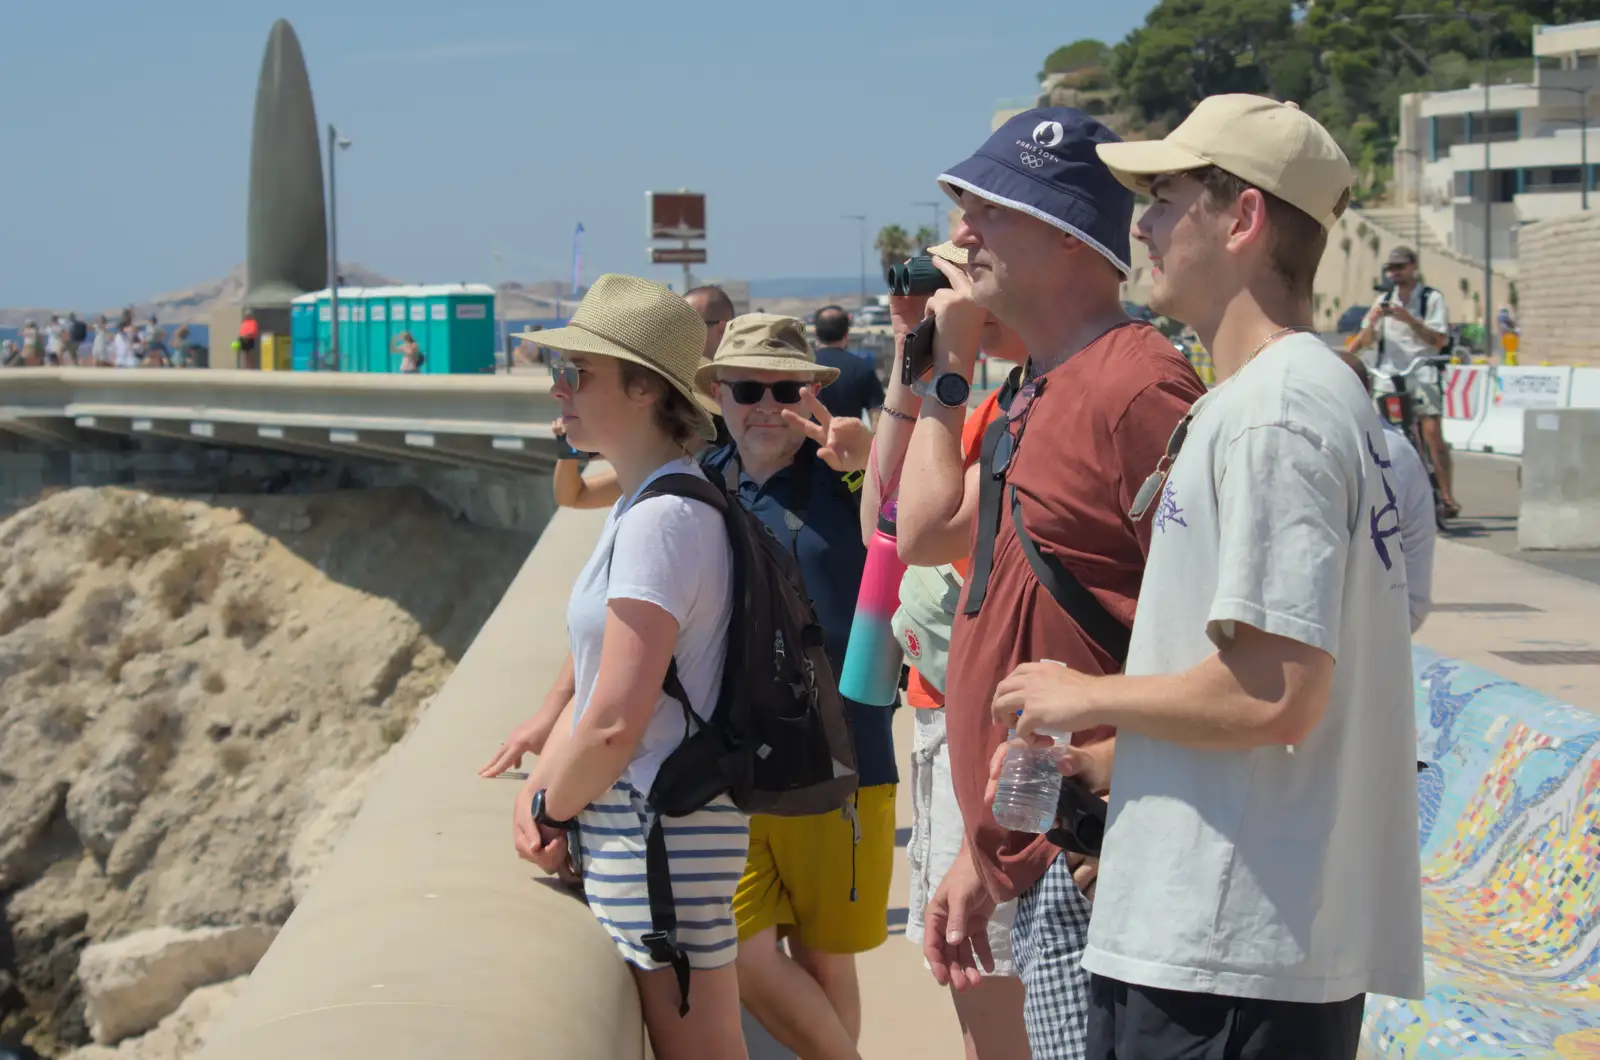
(918, 276)
(1384, 286)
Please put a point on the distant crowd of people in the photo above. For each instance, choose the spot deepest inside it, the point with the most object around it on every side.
(67, 341)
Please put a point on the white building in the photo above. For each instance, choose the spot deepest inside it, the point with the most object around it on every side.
(1535, 132)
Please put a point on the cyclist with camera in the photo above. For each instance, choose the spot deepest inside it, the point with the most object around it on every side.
(1410, 322)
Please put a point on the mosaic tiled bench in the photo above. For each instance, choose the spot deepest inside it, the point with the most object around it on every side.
(1510, 806)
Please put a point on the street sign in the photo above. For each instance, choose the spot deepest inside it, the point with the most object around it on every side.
(677, 255)
(677, 214)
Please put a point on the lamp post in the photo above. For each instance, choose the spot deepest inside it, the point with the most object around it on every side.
(861, 220)
(1583, 131)
(336, 143)
(1485, 21)
(937, 227)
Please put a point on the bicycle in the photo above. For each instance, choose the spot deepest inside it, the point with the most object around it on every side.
(1398, 407)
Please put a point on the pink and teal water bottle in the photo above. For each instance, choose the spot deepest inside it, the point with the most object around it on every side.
(872, 659)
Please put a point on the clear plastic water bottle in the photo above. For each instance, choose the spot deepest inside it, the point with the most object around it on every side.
(1029, 787)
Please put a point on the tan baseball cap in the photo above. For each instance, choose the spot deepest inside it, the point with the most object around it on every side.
(1275, 146)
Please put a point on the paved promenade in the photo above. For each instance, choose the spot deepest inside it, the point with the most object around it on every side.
(425, 935)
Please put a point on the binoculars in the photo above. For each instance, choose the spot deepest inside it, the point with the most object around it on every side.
(915, 277)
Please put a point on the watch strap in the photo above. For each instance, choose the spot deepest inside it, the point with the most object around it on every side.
(543, 818)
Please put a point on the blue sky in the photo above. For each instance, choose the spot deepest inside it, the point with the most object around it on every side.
(498, 126)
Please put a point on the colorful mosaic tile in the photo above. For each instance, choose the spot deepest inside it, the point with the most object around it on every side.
(1510, 815)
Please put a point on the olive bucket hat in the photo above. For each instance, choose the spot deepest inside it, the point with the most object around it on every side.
(767, 342)
(641, 322)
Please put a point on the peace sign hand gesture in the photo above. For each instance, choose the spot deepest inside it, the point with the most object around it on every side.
(845, 442)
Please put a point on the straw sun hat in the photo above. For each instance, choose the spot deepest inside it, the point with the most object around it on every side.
(766, 342)
(641, 322)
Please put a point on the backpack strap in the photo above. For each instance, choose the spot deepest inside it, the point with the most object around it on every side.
(694, 488)
(662, 939)
(1082, 606)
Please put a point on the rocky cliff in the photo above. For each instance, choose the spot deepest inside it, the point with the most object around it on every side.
(191, 696)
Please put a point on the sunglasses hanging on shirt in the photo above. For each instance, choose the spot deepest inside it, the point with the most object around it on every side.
(1152, 486)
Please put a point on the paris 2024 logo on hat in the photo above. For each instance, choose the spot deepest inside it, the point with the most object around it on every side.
(1044, 163)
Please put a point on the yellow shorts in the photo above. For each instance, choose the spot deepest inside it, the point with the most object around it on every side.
(799, 876)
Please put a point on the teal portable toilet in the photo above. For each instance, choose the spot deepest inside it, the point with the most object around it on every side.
(417, 319)
(358, 330)
(324, 333)
(377, 333)
(436, 340)
(352, 323)
(472, 331)
(302, 331)
(399, 320)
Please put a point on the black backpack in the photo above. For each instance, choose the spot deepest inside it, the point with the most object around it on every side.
(779, 739)
(80, 332)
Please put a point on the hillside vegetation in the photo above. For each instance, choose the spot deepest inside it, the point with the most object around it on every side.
(1347, 62)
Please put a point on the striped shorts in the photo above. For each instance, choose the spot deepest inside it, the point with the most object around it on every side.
(706, 851)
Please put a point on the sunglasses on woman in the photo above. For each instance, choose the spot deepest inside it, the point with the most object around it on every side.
(565, 372)
(749, 392)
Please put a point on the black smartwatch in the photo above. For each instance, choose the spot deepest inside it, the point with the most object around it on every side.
(949, 390)
(542, 818)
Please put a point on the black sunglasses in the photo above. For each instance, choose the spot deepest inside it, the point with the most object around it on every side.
(1005, 449)
(749, 392)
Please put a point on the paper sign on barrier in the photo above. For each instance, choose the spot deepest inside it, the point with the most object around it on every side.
(1530, 388)
(1512, 390)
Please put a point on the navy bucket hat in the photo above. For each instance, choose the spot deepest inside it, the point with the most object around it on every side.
(1044, 163)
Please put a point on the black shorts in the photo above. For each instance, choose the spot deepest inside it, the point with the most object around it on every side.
(1142, 1023)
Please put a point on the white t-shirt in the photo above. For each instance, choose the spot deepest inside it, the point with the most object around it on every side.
(673, 553)
(1398, 344)
(1283, 873)
(1418, 528)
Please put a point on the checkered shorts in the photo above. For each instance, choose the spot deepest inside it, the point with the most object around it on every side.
(1048, 938)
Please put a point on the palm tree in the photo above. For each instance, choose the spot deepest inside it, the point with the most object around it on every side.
(926, 237)
(893, 245)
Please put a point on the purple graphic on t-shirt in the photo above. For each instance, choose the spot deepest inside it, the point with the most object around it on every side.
(1169, 512)
(1383, 527)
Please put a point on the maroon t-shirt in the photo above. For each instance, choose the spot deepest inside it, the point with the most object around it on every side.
(1097, 427)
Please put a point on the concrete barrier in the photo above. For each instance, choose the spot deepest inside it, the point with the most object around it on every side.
(1510, 815)
(425, 936)
(1585, 389)
(1560, 505)
(1511, 391)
